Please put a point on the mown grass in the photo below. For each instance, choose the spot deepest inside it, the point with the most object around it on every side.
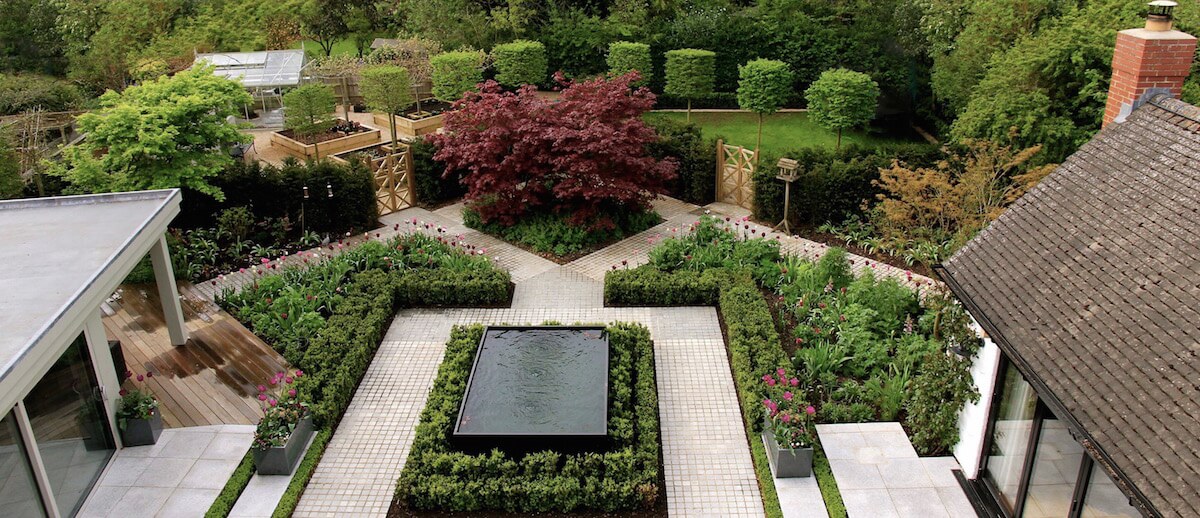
(781, 131)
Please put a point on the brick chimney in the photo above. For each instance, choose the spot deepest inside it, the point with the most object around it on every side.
(1148, 61)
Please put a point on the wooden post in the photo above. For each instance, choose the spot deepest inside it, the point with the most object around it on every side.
(720, 168)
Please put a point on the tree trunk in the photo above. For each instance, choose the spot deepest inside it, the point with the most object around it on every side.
(839, 141)
(689, 111)
(758, 145)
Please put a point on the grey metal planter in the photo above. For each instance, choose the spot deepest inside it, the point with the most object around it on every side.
(142, 432)
(281, 460)
(787, 463)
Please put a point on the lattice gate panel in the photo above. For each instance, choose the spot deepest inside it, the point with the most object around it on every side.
(735, 175)
(392, 181)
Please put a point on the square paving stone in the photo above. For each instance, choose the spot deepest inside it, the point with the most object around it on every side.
(870, 503)
(919, 502)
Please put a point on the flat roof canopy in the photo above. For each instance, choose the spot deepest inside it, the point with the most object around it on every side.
(262, 69)
(60, 258)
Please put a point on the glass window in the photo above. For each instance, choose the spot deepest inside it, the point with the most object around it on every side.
(70, 427)
(1104, 500)
(1010, 437)
(19, 494)
(1056, 464)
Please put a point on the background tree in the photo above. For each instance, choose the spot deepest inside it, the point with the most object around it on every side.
(387, 89)
(308, 109)
(323, 21)
(171, 132)
(360, 25)
(521, 62)
(11, 183)
(842, 99)
(764, 88)
(689, 74)
(455, 73)
(625, 56)
(584, 154)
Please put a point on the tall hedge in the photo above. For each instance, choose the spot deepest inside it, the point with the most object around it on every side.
(689, 74)
(433, 188)
(455, 73)
(696, 154)
(624, 56)
(520, 62)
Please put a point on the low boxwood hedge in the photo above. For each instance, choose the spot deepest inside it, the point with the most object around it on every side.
(626, 477)
(647, 286)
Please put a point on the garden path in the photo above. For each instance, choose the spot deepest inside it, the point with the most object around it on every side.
(707, 462)
(879, 474)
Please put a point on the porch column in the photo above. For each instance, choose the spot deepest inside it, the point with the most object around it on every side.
(164, 277)
(106, 370)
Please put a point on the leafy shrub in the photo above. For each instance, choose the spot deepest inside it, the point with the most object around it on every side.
(842, 99)
(712, 243)
(556, 235)
(690, 73)
(938, 394)
(696, 155)
(455, 73)
(430, 180)
(23, 92)
(520, 62)
(575, 41)
(626, 477)
(624, 56)
(646, 285)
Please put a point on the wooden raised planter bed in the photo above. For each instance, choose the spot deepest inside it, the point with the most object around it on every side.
(329, 147)
(373, 161)
(409, 128)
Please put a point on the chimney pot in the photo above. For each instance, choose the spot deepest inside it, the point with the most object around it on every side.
(1160, 17)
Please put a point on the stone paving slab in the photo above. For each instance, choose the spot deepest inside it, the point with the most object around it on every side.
(707, 462)
(879, 473)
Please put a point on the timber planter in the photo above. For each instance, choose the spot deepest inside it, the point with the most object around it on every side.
(281, 460)
(327, 147)
(141, 432)
(787, 463)
(410, 128)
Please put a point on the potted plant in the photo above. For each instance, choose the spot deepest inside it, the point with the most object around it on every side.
(138, 417)
(788, 429)
(285, 428)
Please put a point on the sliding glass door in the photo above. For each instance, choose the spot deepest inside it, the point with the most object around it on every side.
(70, 426)
(1011, 429)
(19, 495)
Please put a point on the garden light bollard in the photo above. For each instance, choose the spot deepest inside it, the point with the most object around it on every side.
(787, 173)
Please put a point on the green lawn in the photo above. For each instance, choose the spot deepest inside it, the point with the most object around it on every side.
(344, 47)
(781, 131)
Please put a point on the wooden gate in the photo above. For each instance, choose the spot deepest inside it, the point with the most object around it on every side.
(735, 175)
(393, 180)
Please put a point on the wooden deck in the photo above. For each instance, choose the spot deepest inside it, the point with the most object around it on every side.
(210, 380)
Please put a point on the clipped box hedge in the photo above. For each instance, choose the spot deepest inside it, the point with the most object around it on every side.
(519, 63)
(436, 477)
(455, 73)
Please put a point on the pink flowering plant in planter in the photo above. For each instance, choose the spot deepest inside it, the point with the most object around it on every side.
(138, 402)
(283, 410)
(788, 417)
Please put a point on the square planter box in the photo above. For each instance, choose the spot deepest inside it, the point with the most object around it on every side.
(787, 463)
(329, 147)
(409, 128)
(142, 432)
(281, 460)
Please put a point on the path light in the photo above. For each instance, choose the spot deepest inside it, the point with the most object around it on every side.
(329, 189)
(788, 174)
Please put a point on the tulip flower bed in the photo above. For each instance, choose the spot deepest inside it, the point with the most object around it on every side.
(626, 476)
(327, 315)
(862, 349)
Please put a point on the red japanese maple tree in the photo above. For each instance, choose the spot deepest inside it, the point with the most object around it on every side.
(583, 154)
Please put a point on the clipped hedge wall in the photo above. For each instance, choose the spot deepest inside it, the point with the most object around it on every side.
(625, 56)
(436, 477)
(456, 72)
(432, 188)
(646, 286)
(696, 154)
(450, 288)
(520, 62)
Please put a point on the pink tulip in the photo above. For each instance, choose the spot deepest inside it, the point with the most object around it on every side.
(810, 410)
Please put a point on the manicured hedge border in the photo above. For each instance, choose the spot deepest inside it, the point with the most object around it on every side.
(437, 477)
(337, 358)
(753, 343)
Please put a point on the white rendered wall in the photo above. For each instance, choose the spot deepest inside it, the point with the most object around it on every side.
(972, 422)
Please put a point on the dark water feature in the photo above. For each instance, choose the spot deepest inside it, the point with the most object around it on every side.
(536, 383)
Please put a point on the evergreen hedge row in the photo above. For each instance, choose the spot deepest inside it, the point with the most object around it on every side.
(626, 477)
(519, 63)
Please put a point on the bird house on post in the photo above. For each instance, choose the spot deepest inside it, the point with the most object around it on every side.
(788, 173)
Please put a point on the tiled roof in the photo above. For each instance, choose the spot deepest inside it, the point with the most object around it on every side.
(1093, 279)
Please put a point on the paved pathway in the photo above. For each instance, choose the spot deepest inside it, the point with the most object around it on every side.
(879, 474)
(180, 475)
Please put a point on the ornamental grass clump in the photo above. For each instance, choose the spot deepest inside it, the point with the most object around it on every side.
(136, 403)
(282, 411)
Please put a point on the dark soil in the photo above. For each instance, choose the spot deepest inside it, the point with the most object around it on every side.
(317, 138)
(429, 108)
(659, 511)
